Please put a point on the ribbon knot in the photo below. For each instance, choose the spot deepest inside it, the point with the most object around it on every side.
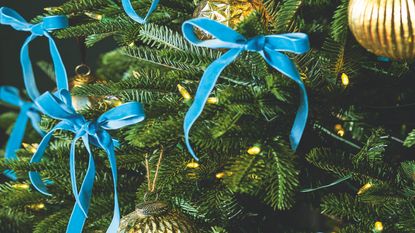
(255, 44)
(10, 17)
(59, 106)
(271, 48)
(28, 110)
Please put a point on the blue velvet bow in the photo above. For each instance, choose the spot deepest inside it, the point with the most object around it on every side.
(10, 95)
(59, 106)
(128, 8)
(12, 18)
(270, 47)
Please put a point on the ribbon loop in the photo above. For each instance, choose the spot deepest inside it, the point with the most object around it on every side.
(15, 20)
(59, 106)
(10, 95)
(129, 9)
(271, 48)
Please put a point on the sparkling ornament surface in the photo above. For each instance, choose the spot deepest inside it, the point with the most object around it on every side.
(228, 12)
(384, 27)
(156, 217)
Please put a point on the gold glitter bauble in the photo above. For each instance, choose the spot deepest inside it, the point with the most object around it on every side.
(228, 12)
(384, 27)
(156, 217)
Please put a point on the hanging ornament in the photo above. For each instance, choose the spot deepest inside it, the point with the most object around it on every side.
(155, 216)
(84, 76)
(228, 12)
(384, 27)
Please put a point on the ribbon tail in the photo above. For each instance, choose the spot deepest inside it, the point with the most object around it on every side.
(207, 83)
(60, 71)
(15, 139)
(28, 75)
(283, 64)
(115, 222)
(35, 177)
(80, 210)
(35, 120)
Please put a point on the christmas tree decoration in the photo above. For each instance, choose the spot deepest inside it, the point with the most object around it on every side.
(58, 106)
(270, 47)
(49, 23)
(255, 150)
(364, 188)
(220, 175)
(83, 76)
(212, 100)
(384, 27)
(228, 12)
(28, 111)
(156, 217)
(129, 10)
(37, 207)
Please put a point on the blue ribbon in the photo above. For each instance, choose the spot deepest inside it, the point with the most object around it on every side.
(59, 106)
(270, 47)
(128, 8)
(10, 95)
(15, 20)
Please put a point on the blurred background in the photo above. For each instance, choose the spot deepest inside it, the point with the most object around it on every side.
(12, 40)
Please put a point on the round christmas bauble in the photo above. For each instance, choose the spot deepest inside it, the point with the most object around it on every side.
(228, 12)
(156, 217)
(384, 27)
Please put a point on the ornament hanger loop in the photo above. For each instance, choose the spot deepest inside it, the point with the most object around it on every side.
(82, 70)
(152, 184)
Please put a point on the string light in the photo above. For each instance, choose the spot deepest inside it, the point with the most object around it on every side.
(212, 100)
(254, 150)
(21, 186)
(38, 206)
(193, 165)
(364, 188)
(184, 92)
(131, 44)
(32, 148)
(339, 130)
(93, 15)
(220, 175)
(378, 226)
(345, 79)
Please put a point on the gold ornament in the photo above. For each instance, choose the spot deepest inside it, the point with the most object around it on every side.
(378, 226)
(156, 217)
(384, 27)
(228, 12)
(83, 77)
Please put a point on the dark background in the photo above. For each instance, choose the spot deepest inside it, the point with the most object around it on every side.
(12, 40)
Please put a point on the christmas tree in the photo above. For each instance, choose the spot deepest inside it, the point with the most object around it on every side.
(352, 172)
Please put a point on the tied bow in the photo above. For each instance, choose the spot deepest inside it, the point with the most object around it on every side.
(10, 95)
(270, 47)
(91, 132)
(128, 8)
(15, 20)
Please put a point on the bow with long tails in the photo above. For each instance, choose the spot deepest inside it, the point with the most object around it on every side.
(128, 8)
(15, 20)
(270, 47)
(59, 106)
(10, 95)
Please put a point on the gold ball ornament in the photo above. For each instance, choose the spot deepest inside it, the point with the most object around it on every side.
(156, 217)
(384, 27)
(228, 12)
